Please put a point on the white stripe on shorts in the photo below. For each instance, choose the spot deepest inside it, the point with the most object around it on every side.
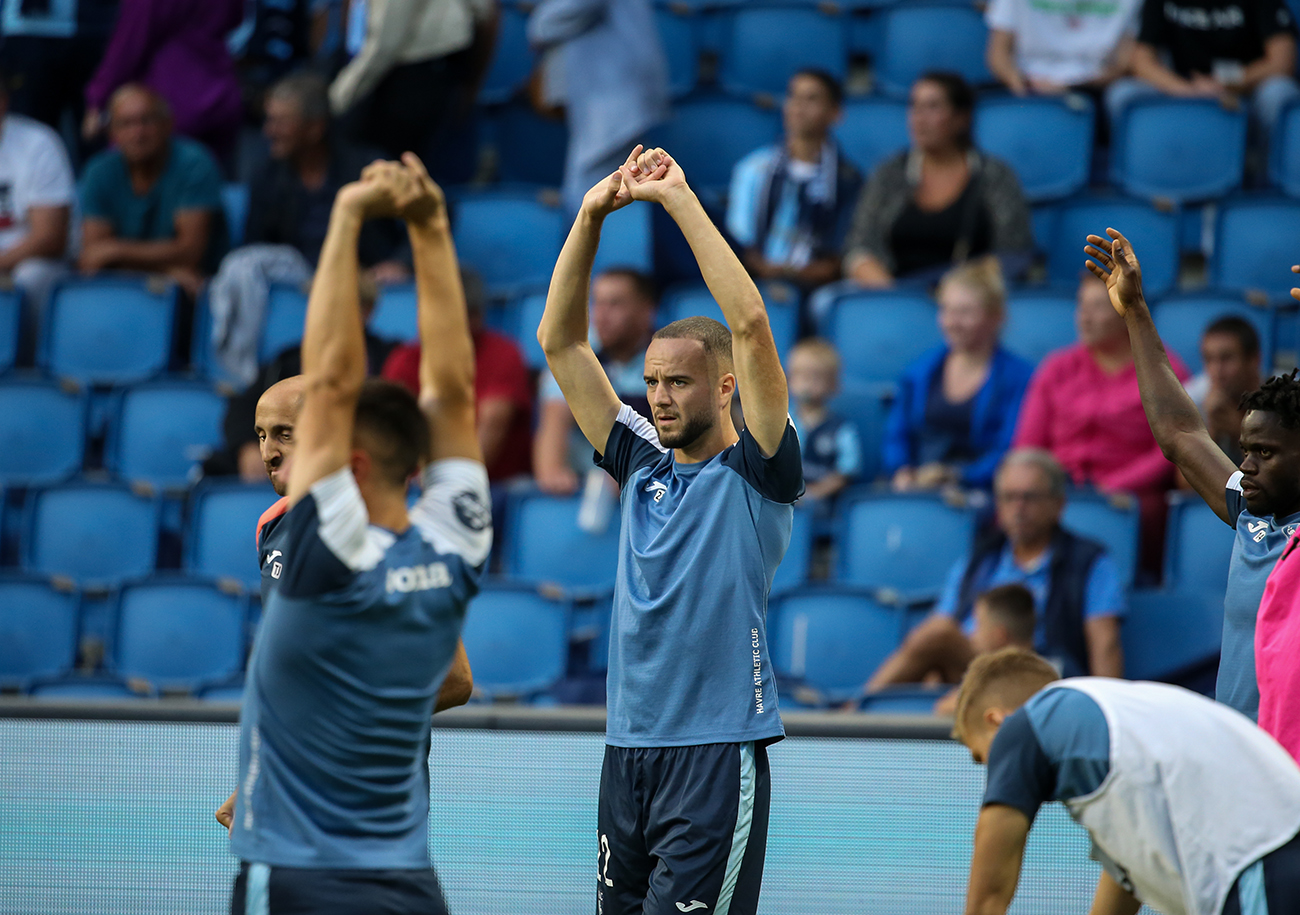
(744, 819)
(257, 895)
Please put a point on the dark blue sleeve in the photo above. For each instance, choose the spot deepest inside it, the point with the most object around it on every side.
(1236, 501)
(632, 444)
(897, 444)
(1020, 774)
(778, 478)
(310, 567)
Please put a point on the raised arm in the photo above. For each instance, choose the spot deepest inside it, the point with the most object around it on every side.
(656, 177)
(1174, 419)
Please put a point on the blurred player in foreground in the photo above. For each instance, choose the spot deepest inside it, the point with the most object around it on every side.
(361, 625)
(1191, 808)
(706, 518)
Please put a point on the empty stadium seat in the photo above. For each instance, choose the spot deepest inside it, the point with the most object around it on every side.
(1255, 244)
(921, 36)
(11, 312)
(530, 148)
(1048, 141)
(1284, 152)
(871, 130)
(286, 314)
(220, 531)
(1167, 633)
(396, 315)
(234, 205)
(93, 533)
(511, 238)
(517, 641)
(794, 567)
(1038, 323)
(1114, 526)
(38, 630)
(1178, 149)
(782, 310)
(709, 135)
(879, 334)
(677, 36)
(831, 639)
(911, 699)
(1198, 547)
(108, 331)
(79, 688)
(527, 318)
(544, 543)
(1182, 319)
(625, 240)
(512, 57)
(163, 430)
(765, 45)
(43, 428)
(904, 543)
(864, 406)
(1153, 234)
(178, 633)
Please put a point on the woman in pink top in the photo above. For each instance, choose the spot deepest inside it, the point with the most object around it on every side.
(1083, 405)
(1277, 651)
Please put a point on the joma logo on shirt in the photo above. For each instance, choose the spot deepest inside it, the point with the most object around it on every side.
(418, 578)
(659, 489)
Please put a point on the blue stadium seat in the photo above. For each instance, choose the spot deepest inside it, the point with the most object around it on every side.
(1198, 547)
(78, 688)
(864, 406)
(709, 135)
(1182, 319)
(43, 427)
(1154, 236)
(108, 331)
(396, 315)
(831, 639)
(1167, 633)
(530, 148)
(163, 430)
(219, 534)
(93, 533)
(1039, 322)
(1048, 141)
(517, 641)
(782, 309)
(625, 240)
(512, 58)
(904, 700)
(178, 634)
(921, 36)
(511, 238)
(904, 543)
(879, 334)
(38, 630)
(230, 695)
(528, 316)
(1178, 149)
(11, 312)
(1284, 154)
(794, 567)
(871, 130)
(544, 543)
(1114, 526)
(1255, 244)
(234, 203)
(286, 313)
(681, 46)
(765, 45)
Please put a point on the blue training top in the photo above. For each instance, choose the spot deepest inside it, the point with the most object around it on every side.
(357, 636)
(688, 658)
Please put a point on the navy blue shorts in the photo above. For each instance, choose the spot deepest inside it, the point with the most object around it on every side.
(682, 829)
(263, 890)
(1270, 886)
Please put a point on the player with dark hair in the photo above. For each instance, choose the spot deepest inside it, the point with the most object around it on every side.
(1261, 498)
(362, 622)
(706, 518)
(1191, 808)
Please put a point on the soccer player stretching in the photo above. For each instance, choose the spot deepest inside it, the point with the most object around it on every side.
(362, 623)
(706, 518)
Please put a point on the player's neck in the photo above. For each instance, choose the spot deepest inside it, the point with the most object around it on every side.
(387, 510)
(718, 439)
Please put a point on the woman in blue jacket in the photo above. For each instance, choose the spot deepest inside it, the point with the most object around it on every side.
(956, 408)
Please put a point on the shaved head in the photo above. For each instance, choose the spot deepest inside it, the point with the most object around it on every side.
(277, 412)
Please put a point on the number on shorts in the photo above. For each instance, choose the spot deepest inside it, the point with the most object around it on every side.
(602, 862)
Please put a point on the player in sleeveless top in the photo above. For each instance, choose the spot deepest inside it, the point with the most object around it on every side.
(705, 519)
(362, 624)
(1191, 808)
(1260, 499)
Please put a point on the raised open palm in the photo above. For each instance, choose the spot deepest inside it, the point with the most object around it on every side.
(653, 176)
(1116, 265)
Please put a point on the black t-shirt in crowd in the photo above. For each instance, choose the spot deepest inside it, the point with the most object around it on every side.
(1196, 33)
(924, 240)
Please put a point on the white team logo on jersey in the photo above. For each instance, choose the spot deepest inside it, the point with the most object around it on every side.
(277, 567)
(659, 489)
(695, 904)
(1259, 529)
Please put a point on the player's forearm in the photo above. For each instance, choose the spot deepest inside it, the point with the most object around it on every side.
(1113, 899)
(446, 347)
(333, 343)
(1169, 409)
(1000, 835)
(458, 685)
(564, 322)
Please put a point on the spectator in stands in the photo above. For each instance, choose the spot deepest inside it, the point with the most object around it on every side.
(956, 408)
(36, 193)
(623, 304)
(1230, 354)
(601, 60)
(502, 388)
(790, 204)
(1219, 49)
(154, 202)
(1077, 594)
(178, 49)
(1048, 49)
(832, 448)
(1083, 405)
(1004, 617)
(940, 203)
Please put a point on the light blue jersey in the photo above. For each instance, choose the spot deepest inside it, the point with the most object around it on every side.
(359, 631)
(688, 658)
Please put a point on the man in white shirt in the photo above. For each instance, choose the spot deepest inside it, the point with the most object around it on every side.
(1046, 49)
(36, 193)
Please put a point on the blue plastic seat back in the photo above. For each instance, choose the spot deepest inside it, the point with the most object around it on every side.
(545, 543)
(766, 45)
(396, 315)
(530, 148)
(43, 428)
(528, 317)
(178, 634)
(917, 37)
(38, 630)
(904, 700)
(86, 689)
(1039, 323)
(1178, 149)
(1114, 527)
(709, 135)
(832, 639)
(1284, 152)
(11, 311)
(864, 406)
(286, 314)
(511, 239)
(696, 300)
(1154, 236)
(1198, 548)
(879, 334)
(512, 57)
(221, 533)
(681, 46)
(907, 544)
(1182, 320)
(794, 567)
(1255, 245)
(1167, 632)
(871, 130)
(517, 641)
(1047, 141)
(626, 240)
(163, 431)
(91, 533)
(108, 331)
(234, 203)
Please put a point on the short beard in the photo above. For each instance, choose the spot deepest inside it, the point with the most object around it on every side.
(692, 430)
